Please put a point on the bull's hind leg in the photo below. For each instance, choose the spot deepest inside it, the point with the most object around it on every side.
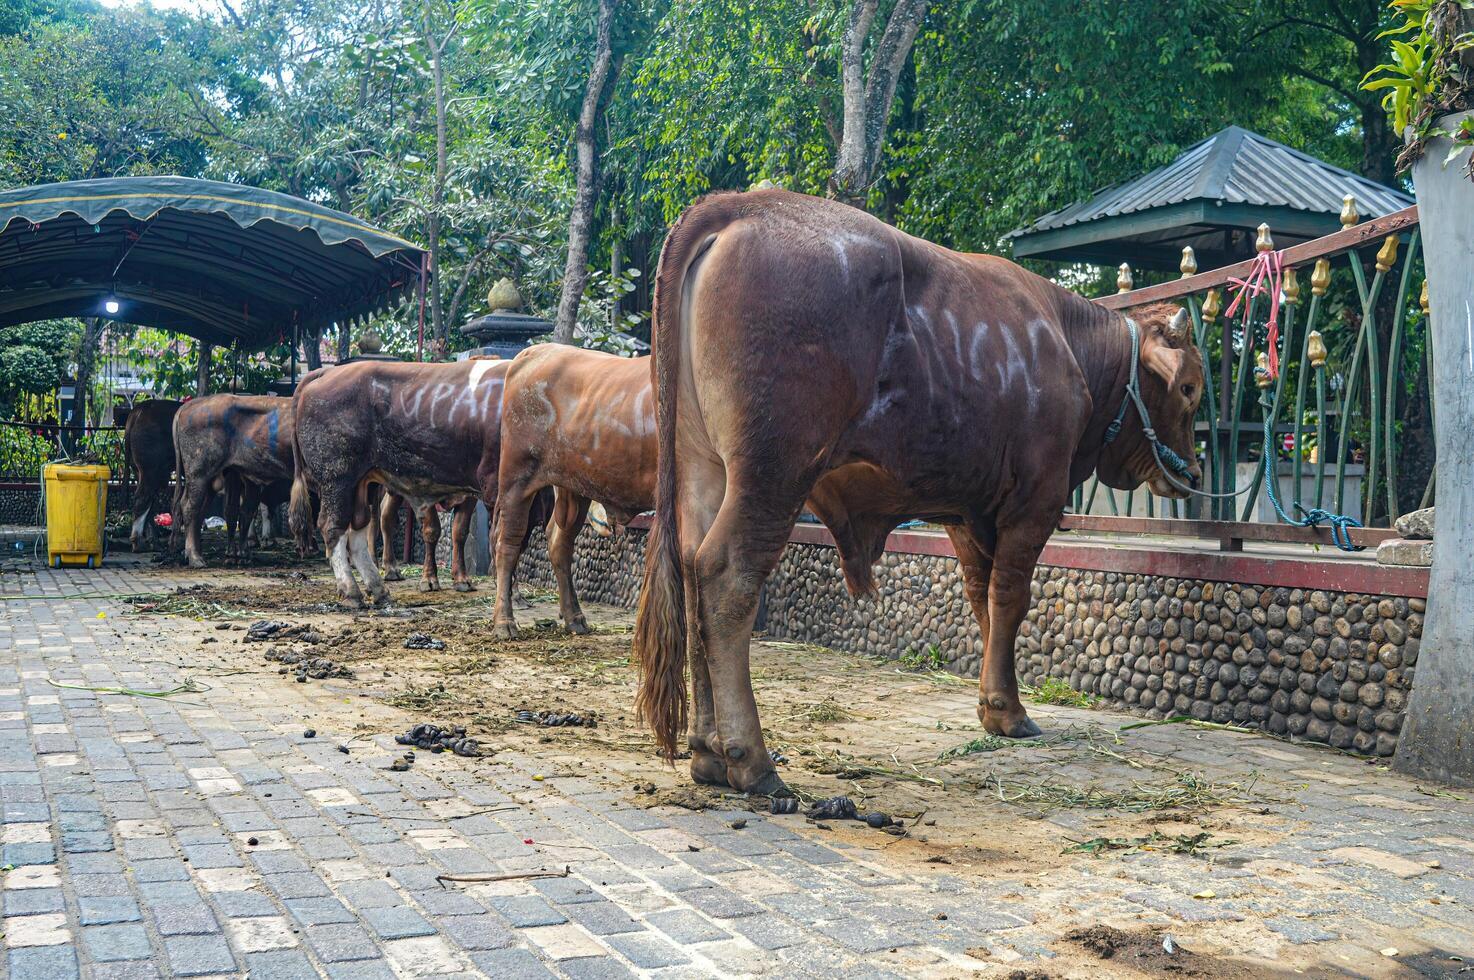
(143, 504)
(460, 529)
(430, 535)
(514, 502)
(361, 553)
(568, 517)
(388, 523)
(193, 505)
(335, 519)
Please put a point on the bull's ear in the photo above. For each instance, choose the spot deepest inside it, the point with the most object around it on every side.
(1161, 358)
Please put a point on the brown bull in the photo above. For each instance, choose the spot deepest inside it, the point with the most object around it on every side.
(239, 444)
(581, 421)
(427, 432)
(148, 446)
(804, 348)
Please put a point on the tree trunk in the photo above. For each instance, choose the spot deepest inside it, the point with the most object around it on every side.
(585, 138)
(437, 192)
(1437, 739)
(868, 94)
(345, 340)
(312, 350)
(86, 359)
(203, 353)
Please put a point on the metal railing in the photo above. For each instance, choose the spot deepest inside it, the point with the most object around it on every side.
(1339, 408)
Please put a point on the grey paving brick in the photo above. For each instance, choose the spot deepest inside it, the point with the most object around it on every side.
(195, 956)
(563, 891)
(602, 918)
(43, 963)
(318, 911)
(124, 970)
(362, 970)
(686, 927)
(34, 901)
(194, 919)
(477, 932)
(105, 911)
(297, 885)
(770, 931)
(526, 911)
(595, 968)
(1300, 930)
(518, 963)
(371, 893)
(648, 952)
(719, 903)
(340, 943)
(244, 905)
(117, 942)
(164, 869)
(212, 856)
(282, 964)
(397, 923)
(448, 903)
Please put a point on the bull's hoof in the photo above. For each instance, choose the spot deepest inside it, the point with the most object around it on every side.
(765, 782)
(708, 769)
(392, 575)
(504, 631)
(465, 587)
(428, 586)
(1015, 724)
(135, 545)
(579, 625)
(382, 598)
(352, 603)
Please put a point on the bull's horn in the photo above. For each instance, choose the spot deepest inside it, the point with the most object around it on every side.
(1177, 327)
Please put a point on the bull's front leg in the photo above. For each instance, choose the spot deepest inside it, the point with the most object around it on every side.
(143, 499)
(233, 491)
(193, 505)
(460, 529)
(999, 707)
(430, 534)
(250, 510)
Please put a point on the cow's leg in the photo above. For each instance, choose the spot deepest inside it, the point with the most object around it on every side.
(974, 546)
(460, 529)
(143, 501)
(1017, 552)
(388, 511)
(361, 554)
(193, 505)
(568, 516)
(335, 517)
(176, 514)
(250, 507)
(430, 535)
(233, 490)
(725, 576)
(514, 502)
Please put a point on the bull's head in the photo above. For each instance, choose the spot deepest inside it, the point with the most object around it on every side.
(1170, 375)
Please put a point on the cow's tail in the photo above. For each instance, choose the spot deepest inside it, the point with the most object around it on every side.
(299, 507)
(660, 624)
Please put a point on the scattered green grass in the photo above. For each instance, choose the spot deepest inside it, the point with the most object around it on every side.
(421, 698)
(1189, 791)
(1056, 691)
(824, 712)
(1192, 845)
(988, 742)
(929, 659)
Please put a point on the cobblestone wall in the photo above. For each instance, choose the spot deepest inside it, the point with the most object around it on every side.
(1327, 666)
(20, 506)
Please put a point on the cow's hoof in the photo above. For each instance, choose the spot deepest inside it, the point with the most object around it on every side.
(708, 769)
(428, 586)
(382, 598)
(765, 782)
(578, 625)
(1016, 724)
(392, 575)
(352, 603)
(465, 587)
(504, 631)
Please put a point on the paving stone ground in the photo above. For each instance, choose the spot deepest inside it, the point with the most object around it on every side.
(205, 836)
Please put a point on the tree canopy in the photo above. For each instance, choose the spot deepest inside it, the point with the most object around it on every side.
(476, 126)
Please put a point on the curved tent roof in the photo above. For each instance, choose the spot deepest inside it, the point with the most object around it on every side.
(222, 262)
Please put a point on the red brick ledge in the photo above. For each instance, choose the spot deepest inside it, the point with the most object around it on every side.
(1332, 575)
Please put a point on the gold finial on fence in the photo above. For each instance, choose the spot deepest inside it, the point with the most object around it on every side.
(1189, 264)
(1349, 216)
(1423, 298)
(1292, 287)
(1320, 277)
(1261, 370)
(1264, 243)
(1212, 303)
(1315, 349)
(1123, 278)
(1387, 254)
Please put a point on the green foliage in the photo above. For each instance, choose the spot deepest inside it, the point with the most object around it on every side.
(34, 358)
(1053, 690)
(931, 658)
(1414, 81)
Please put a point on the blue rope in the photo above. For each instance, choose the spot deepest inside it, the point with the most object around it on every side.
(1339, 524)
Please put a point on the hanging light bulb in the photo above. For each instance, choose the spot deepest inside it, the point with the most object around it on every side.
(112, 306)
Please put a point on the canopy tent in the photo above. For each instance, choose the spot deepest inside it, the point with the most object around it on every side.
(1213, 196)
(222, 262)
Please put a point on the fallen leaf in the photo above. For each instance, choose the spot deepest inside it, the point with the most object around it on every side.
(1206, 894)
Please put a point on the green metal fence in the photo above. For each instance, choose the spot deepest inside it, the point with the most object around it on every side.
(1351, 408)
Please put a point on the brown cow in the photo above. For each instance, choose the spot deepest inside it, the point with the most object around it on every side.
(425, 431)
(387, 518)
(804, 348)
(148, 446)
(582, 421)
(234, 443)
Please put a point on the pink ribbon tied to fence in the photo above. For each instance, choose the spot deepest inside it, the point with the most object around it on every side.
(1265, 275)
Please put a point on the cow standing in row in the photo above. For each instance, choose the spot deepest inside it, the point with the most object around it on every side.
(236, 444)
(462, 506)
(803, 348)
(148, 446)
(583, 422)
(427, 432)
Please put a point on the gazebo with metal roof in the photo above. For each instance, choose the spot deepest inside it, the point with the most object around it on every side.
(226, 263)
(1212, 197)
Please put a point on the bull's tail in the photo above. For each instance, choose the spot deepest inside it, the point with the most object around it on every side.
(299, 507)
(660, 624)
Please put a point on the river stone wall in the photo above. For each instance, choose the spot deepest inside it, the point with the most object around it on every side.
(1325, 666)
(19, 506)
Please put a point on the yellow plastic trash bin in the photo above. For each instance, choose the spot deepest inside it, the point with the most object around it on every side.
(76, 513)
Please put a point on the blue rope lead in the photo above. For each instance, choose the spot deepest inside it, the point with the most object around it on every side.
(1339, 524)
